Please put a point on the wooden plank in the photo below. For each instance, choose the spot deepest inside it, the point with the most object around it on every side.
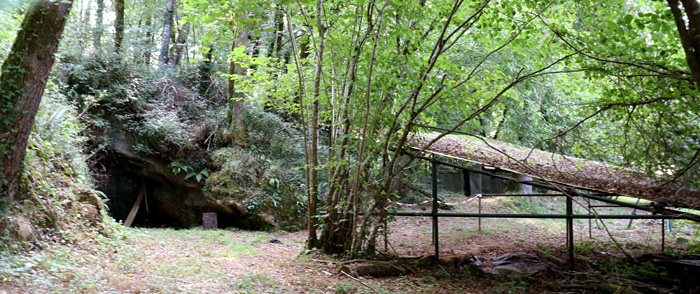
(145, 195)
(135, 208)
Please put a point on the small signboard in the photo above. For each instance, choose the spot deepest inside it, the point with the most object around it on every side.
(209, 219)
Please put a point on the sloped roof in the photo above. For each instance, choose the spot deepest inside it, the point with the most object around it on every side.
(561, 169)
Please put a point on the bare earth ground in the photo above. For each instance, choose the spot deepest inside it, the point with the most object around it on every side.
(412, 235)
(232, 261)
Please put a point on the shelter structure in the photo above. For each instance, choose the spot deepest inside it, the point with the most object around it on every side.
(566, 176)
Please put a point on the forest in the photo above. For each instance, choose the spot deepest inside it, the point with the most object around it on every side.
(311, 116)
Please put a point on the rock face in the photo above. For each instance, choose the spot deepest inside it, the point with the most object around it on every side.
(171, 200)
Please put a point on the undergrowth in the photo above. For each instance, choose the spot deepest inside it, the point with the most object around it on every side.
(57, 203)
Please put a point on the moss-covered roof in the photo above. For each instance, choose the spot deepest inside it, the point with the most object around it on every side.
(561, 169)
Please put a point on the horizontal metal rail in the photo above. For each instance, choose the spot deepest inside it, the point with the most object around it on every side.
(523, 195)
(549, 216)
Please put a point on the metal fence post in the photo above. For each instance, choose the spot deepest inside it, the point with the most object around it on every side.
(434, 163)
(570, 229)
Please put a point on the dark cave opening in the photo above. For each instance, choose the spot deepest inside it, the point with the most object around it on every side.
(163, 204)
(122, 189)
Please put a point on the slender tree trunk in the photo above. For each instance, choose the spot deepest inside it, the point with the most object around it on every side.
(167, 27)
(303, 54)
(118, 25)
(237, 126)
(86, 17)
(313, 128)
(340, 228)
(276, 43)
(180, 45)
(279, 34)
(97, 38)
(302, 93)
(381, 197)
(148, 42)
(22, 83)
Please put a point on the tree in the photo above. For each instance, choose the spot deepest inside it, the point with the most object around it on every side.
(179, 45)
(167, 27)
(275, 45)
(239, 17)
(646, 84)
(98, 24)
(690, 35)
(22, 83)
(385, 71)
(236, 99)
(148, 40)
(118, 25)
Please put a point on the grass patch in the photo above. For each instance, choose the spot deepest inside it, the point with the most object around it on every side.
(516, 285)
(140, 260)
(238, 249)
(258, 283)
(258, 238)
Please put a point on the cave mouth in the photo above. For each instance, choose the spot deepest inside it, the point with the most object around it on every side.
(122, 187)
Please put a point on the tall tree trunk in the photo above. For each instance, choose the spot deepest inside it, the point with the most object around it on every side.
(313, 128)
(118, 25)
(148, 42)
(85, 19)
(303, 54)
(278, 33)
(276, 43)
(237, 127)
(22, 83)
(167, 27)
(180, 45)
(97, 38)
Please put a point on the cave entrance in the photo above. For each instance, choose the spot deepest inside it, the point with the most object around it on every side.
(122, 189)
(165, 203)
